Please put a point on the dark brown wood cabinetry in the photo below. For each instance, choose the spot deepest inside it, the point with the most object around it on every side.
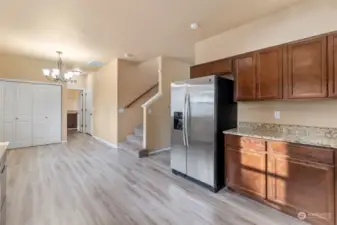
(269, 73)
(247, 170)
(297, 181)
(332, 55)
(259, 75)
(303, 69)
(307, 68)
(219, 67)
(245, 77)
(292, 178)
(198, 71)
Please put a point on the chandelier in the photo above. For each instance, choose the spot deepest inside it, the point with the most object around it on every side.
(59, 74)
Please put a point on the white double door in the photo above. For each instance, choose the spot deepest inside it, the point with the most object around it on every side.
(17, 107)
(31, 114)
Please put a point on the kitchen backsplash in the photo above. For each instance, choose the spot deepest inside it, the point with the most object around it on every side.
(316, 113)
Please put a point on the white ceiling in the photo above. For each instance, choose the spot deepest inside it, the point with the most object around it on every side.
(104, 29)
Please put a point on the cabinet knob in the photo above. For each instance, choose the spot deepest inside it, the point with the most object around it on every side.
(16, 118)
(46, 117)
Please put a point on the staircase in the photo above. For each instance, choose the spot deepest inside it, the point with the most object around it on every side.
(134, 143)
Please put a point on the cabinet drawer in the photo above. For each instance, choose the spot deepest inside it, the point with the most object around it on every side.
(302, 152)
(245, 142)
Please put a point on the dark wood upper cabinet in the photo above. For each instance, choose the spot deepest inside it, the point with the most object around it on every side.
(219, 67)
(307, 68)
(198, 71)
(332, 48)
(245, 77)
(269, 73)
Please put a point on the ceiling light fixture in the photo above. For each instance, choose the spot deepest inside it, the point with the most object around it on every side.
(194, 26)
(59, 74)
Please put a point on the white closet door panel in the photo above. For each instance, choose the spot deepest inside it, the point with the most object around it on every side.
(40, 115)
(47, 114)
(9, 112)
(9, 101)
(24, 115)
(1, 113)
(54, 114)
(9, 133)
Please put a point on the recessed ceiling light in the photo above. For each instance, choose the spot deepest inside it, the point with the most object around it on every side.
(128, 55)
(194, 26)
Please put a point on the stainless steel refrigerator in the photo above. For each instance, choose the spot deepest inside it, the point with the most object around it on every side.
(201, 109)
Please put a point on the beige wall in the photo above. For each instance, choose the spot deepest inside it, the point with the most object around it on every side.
(29, 69)
(158, 126)
(105, 102)
(311, 17)
(73, 98)
(133, 80)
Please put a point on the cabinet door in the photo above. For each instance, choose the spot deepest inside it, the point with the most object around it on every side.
(332, 65)
(245, 77)
(246, 172)
(199, 71)
(222, 66)
(307, 68)
(24, 115)
(296, 187)
(269, 73)
(9, 112)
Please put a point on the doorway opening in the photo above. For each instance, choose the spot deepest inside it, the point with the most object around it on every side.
(75, 110)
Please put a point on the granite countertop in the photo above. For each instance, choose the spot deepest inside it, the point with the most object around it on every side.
(319, 140)
(3, 148)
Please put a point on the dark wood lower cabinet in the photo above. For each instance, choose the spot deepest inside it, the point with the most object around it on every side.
(296, 187)
(291, 178)
(247, 172)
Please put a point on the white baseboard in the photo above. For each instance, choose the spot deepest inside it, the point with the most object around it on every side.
(156, 151)
(64, 142)
(105, 142)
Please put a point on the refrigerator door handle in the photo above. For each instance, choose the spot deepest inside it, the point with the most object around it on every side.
(188, 114)
(184, 119)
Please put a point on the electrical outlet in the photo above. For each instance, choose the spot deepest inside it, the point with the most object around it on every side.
(277, 115)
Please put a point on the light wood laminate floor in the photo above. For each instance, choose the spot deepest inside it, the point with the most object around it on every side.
(84, 182)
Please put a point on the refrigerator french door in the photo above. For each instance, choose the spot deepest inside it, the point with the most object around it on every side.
(178, 134)
(192, 109)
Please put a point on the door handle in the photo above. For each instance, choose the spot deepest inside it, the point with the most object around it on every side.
(184, 118)
(187, 118)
